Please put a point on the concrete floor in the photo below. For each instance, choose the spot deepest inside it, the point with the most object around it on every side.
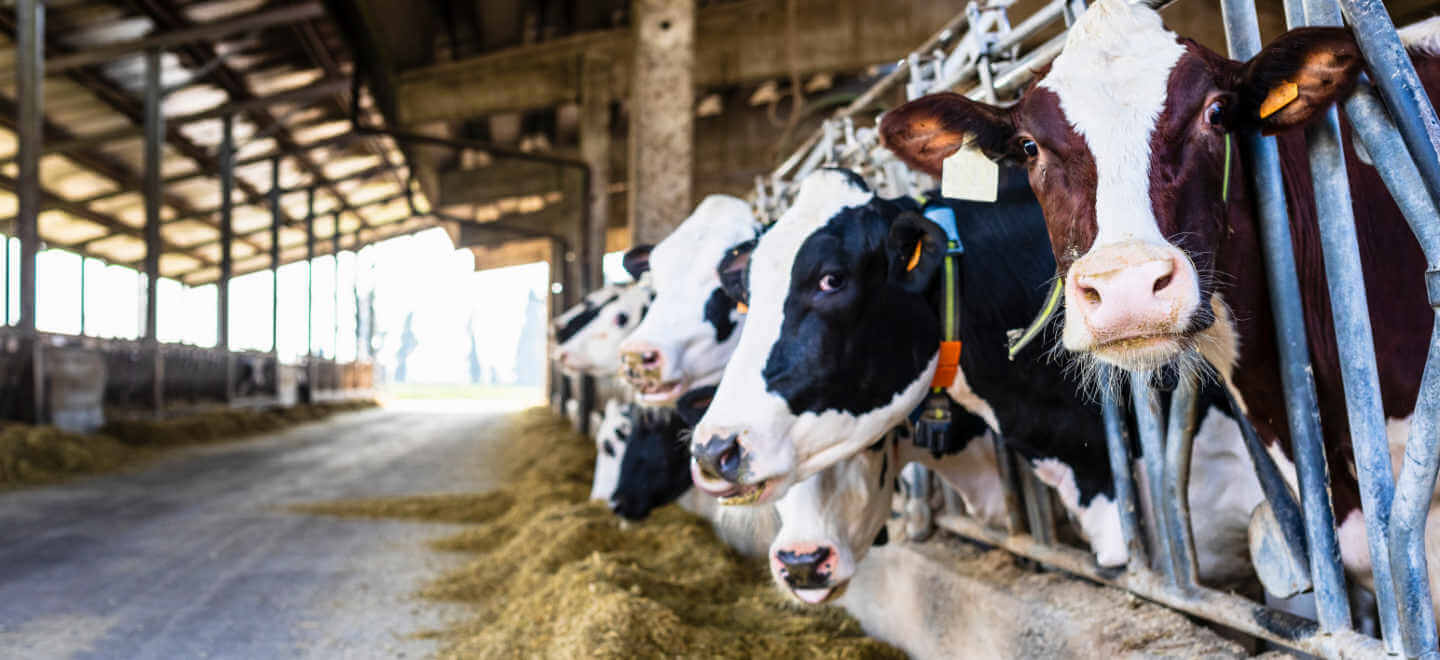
(195, 556)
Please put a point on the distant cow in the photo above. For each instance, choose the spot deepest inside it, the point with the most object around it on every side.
(692, 326)
(588, 335)
(611, 437)
(843, 338)
(1126, 140)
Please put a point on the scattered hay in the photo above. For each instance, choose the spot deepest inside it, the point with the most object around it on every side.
(31, 455)
(557, 576)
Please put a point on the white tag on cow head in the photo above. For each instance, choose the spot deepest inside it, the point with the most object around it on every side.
(968, 174)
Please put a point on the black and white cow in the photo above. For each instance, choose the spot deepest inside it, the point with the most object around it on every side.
(843, 339)
(829, 522)
(612, 436)
(588, 335)
(693, 325)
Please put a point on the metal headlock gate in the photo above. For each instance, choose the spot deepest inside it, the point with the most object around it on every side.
(1297, 549)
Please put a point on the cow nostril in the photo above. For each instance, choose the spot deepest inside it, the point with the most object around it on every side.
(1163, 282)
(650, 358)
(1091, 294)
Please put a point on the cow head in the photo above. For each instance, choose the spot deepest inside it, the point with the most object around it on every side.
(610, 442)
(829, 522)
(692, 325)
(840, 341)
(654, 470)
(1125, 142)
(588, 335)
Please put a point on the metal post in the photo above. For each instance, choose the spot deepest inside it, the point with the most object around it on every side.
(275, 220)
(335, 290)
(82, 295)
(7, 280)
(154, 138)
(1399, 84)
(30, 89)
(1119, 450)
(1410, 508)
(1147, 422)
(227, 231)
(1014, 508)
(1243, 34)
(1039, 509)
(310, 369)
(1179, 443)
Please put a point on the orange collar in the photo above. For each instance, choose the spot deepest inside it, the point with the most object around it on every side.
(949, 365)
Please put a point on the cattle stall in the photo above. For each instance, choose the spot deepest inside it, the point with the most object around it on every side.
(1292, 542)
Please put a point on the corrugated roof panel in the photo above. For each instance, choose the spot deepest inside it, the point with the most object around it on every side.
(274, 81)
(173, 265)
(317, 132)
(67, 179)
(119, 248)
(186, 233)
(63, 228)
(251, 218)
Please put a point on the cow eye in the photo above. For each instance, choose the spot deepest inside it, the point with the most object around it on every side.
(831, 281)
(1215, 114)
(1031, 149)
(621, 319)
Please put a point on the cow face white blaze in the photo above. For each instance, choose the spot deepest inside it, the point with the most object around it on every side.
(824, 366)
(589, 334)
(610, 443)
(829, 522)
(1133, 292)
(692, 326)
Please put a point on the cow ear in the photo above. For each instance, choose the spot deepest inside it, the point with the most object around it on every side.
(1297, 77)
(691, 406)
(926, 131)
(637, 260)
(732, 269)
(916, 249)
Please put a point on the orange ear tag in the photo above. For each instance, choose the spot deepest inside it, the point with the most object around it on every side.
(741, 307)
(1278, 98)
(915, 258)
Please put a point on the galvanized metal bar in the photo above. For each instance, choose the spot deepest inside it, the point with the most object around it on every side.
(277, 217)
(1399, 84)
(1377, 134)
(1179, 445)
(1229, 610)
(1005, 460)
(227, 231)
(30, 88)
(310, 274)
(1411, 507)
(335, 288)
(1152, 445)
(1243, 34)
(1119, 450)
(1039, 509)
(1272, 484)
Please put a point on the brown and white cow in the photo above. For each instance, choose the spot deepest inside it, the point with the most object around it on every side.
(1124, 139)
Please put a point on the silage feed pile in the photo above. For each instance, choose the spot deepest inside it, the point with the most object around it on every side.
(552, 575)
(31, 455)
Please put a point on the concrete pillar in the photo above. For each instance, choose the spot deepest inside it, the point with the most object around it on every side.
(662, 119)
(595, 99)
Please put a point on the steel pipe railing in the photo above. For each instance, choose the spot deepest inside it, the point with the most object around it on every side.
(1179, 442)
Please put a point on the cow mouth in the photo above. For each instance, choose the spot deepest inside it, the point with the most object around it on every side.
(728, 493)
(1141, 352)
(656, 393)
(822, 595)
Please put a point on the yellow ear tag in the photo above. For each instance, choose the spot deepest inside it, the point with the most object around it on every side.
(915, 258)
(741, 307)
(1278, 98)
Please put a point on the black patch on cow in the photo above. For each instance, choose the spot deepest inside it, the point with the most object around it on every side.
(579, 321)
(637, 260)
(853, 348)
(882, 537)
(608, 448)
(691, 406)
(655, 469)
(734, 270)
(717, 313)
(855, 180)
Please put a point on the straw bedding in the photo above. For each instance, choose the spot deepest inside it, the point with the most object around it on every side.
(552, 575)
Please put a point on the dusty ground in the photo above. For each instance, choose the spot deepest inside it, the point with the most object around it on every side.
(197, 555)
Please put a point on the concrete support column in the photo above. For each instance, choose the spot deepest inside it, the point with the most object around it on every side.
(29, 87)
(662, 118)
(595, 145)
